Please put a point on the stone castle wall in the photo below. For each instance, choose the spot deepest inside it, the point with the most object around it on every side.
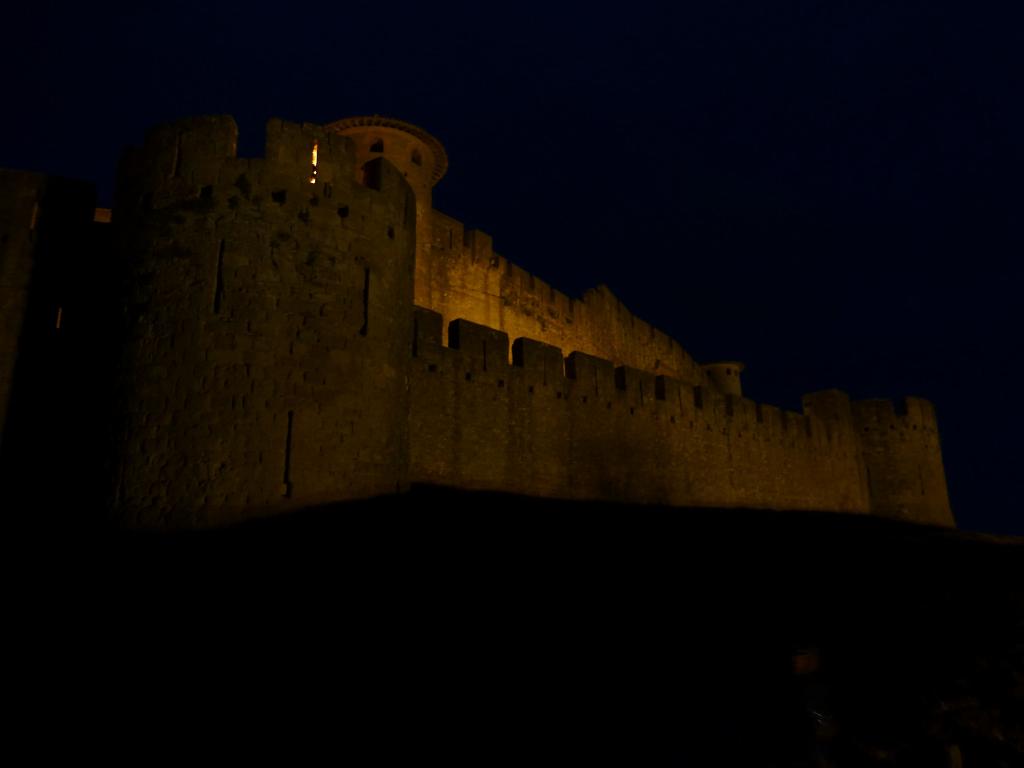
(269, 356)
(903, 459)
(584, 428)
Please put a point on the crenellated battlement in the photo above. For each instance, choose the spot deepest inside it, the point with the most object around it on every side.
(912, 414)
(714, 448)
(461, 276)
(187, 161)
(475, 349)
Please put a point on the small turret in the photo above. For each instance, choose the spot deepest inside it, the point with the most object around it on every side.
(725, 376)
(416, 153)
(420, 158)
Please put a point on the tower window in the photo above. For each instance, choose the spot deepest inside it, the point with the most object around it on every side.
(312, 173)
(417, 158)
(377, 146)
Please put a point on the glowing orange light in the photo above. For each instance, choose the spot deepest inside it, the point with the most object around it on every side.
(312, 176)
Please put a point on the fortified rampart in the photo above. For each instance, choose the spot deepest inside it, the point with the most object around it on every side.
(584, 428)
(269, 354)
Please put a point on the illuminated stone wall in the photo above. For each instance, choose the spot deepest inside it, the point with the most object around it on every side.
(583, 428)
(257, 349)
(460, 276)
(269, 325)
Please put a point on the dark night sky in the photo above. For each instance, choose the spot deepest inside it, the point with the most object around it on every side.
(828, 191)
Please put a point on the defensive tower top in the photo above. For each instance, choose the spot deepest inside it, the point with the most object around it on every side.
(726, 375)
(419, 156)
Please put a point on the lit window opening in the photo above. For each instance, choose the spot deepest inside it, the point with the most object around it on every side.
(312, 174)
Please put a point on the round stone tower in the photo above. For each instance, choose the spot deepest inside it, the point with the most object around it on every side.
(267, 308)
(418, 155)
(725, 376)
